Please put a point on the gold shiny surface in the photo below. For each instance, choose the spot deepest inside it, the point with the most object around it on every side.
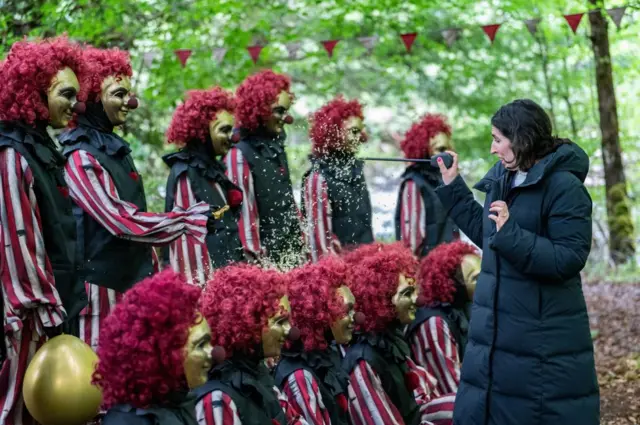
(114, 96)
(220, 130)
(352, 129)
(279, 109)
(61, 96)
(440, 143)
(197, 357)
(471, 265)
(342, 328)
(278, 327)
(57, 385)
(405, 299)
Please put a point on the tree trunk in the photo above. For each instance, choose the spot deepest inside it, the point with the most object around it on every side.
(544, 57)
(621, 232)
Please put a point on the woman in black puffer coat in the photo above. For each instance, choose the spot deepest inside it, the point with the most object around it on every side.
(529, 359)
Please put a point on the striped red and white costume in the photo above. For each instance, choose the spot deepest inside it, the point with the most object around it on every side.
(301, 388)
(434, 348)
(369, 404)
(217, 408)
(412, 217)
(92, 189)
(320, 237)
(31, 300)
(187, 254)
(239, 173)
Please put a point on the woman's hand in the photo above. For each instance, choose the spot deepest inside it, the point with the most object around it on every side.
(501, 213)
(449, 174)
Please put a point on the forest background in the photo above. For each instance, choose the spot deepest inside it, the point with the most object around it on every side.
(567, 73)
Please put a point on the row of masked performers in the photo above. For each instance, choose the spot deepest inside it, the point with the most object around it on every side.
(76, 233)
(371, 337)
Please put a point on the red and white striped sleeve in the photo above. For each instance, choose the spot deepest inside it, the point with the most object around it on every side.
(26, 274)
(435, 349)
(317, 208)
(239, 173)
(92, 188)
(303, 393)
(368, 402)
(291, 412)
(412, 217)
(217, 408)
(187, 255)
(439, 411)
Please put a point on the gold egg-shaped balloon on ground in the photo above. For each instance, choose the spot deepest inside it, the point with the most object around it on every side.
(57, 386)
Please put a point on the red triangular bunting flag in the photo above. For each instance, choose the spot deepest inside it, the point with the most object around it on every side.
(183, 55)
(532, 25)
(491, 31)
(408, 40)
(329, 46)
(254, 52)
(574, 20)
(616, 14)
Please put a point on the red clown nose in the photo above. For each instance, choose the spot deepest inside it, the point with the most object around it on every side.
(359, 318)
(294, 334)
(218, 354)
(288, 119)
(235, 138)
(421, 301)
(79, 108)
(364, 137)
(132, 103)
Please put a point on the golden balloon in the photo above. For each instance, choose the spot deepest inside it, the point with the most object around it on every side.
(57, 386)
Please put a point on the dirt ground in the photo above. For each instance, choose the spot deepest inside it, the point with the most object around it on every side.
(614, 311)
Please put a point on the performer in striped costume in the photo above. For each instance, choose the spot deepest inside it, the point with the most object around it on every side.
(38, 284)
(115, 231)
(421, 220)
(438, 335)
(202, 128)
(248, 311)
(309, 372)
(335, 199)
(154, 346)
(387, 386)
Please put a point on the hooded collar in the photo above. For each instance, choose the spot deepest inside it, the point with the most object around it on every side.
(389, 343)
(197, 155)
(341, 166)
(179, 409)
(36, 138)
(326, 365)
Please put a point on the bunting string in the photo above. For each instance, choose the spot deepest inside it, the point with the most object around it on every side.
(449, 37)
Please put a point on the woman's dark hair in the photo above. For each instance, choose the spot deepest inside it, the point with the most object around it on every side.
(529, 129)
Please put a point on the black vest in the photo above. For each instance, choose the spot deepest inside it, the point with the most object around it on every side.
(326, 369)
(55, 206)
(250, 387)
(387, 355)
(280, 230)
(109, 261)
(349, 198)
(439, 226)
(203, 172)
(456, 320)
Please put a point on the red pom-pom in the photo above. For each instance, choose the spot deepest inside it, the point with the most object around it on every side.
(218, 354)
(234, 198)
(135, 176)
(288, 119)
(359, 318)
(412, 381)
(132, 103)
(342, 402)
(294, 334)
(79, 108)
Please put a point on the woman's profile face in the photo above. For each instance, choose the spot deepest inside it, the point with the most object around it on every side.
(501, 147)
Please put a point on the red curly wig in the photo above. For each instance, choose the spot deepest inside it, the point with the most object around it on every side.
(326, 129)
(141, 346)
(100, 64)
(237, 302)
(438, 270)
(191, 119)
(377, 271)
(27, 73)
(416, 140)
(315, 304)
(255, 96)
